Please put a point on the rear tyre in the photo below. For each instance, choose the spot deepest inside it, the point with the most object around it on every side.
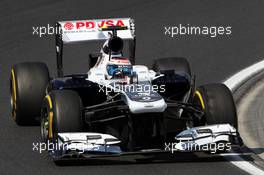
(177, 64)
(61, 112)
(28, 83)
(217, 102)
(176, 79)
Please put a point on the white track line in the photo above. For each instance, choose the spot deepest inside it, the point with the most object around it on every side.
(233, 83)
(240, 77)
(244, 165)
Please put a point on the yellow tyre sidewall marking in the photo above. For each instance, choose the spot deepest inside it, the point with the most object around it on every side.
(200, 98)
(49, 101)
(14, 94)
(50, 124)
(50, 117)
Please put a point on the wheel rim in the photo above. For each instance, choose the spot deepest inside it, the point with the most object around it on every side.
(13, 95)
(44, 125)
(200, 103)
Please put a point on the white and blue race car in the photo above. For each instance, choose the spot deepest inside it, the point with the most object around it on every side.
(118, 107)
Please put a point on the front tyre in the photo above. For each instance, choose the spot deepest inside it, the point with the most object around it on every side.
(61, 112)
(217, 102)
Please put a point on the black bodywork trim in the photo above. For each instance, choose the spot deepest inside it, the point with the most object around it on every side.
(105, 112)
(59, 50)
(115, 109)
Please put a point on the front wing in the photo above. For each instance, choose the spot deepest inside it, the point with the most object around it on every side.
(96, 145)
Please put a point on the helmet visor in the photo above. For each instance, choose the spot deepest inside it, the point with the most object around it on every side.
(113, 69)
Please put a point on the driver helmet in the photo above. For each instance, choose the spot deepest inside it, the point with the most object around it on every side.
(119, 68)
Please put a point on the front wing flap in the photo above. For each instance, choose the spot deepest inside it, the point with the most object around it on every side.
(207, 138)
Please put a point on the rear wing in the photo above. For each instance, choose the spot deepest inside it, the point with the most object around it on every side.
(90, 30)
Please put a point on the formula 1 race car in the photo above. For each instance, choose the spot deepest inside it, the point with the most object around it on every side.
(118, 107)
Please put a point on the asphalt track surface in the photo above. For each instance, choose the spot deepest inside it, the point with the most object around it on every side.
(252, 105)
(212, 60)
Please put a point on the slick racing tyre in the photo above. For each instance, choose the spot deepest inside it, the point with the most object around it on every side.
(61, 112)
(217, 102)
(28, 83)
(177, 64)
(176, 76)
